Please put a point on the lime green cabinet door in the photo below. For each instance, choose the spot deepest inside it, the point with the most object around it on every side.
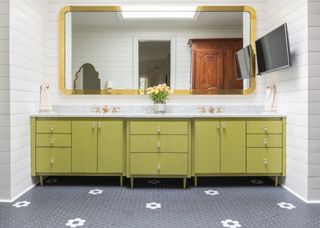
(233, 146)
(207, 147)
(110, 146)
(84, 146)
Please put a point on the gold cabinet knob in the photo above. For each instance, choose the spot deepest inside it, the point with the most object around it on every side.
(52, 128)
(93, 125)
(265, 142)
(158, 130)
(52, 161)
(265, 161)
(99, 125)
(159, 146)
(218, 125)
(265, 129)
(51, 141)
(223, 125)
(158, 167)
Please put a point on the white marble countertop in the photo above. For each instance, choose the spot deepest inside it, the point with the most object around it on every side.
(165, 115)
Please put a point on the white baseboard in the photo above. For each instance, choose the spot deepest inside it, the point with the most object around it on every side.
(300, 197)
(17, 196)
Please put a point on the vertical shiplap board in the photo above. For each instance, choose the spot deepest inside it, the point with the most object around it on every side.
(28, 66)
(314, 100)
(292, 88)
(53, 44)
(5, 193)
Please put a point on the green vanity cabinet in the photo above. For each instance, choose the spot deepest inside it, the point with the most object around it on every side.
(239, 147)
(77, 146)
(84, 146)
(158, 148)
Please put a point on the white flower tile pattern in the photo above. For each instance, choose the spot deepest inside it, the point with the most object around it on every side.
(154, 182)
(256, 181)
(75, 222)
(51, 181)
(21, 204)
(153, 205)
(211, 192)
(230, 223)
(95, 191)
(285, 205)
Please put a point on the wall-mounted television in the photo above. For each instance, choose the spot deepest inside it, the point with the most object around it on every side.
(244, 62)
(273, 51)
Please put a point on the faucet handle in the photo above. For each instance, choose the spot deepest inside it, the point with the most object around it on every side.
(219, 110)
(202, 109)
(96, 109)
(115, 109)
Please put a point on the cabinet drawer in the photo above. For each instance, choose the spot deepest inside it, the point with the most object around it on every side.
(264, 140)
(158, 164)
(158, 143)
(53, 140)
(264, 160)
(264, 127)
(159, 127)
(55, 160)
(53, 126)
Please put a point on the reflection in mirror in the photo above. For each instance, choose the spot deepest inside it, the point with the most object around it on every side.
(154, 63)
(194, 54)
(87, 78)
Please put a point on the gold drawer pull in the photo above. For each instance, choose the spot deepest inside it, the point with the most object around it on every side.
(158, 146)
(218, 125)
(223, 125)
(52, 161)
(265, 129)
(99, 126)
(265, 161)
(158, 167)
(265, 142)
(93, 125)
(51, 141)
(158, 130)
(52, 128)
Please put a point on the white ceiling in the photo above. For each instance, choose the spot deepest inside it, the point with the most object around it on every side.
(205, 20)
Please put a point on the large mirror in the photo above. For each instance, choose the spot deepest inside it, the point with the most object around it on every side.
(115, 50)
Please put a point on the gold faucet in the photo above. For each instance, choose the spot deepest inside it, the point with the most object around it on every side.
(96, 109)
(202, 109)
(115, 109)
(105, 109)
(211, 109)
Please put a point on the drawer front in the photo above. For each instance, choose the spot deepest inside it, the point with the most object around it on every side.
(53, 160)
(158, 164)
(159, 127)
(53, 140)
(159, 143)
(53, 126)
(264, 160)
(264, 127)
(264, 140)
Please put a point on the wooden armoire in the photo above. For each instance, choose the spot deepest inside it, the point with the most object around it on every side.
(213, 65)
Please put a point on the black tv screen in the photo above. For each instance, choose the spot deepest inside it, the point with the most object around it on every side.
(244, 60)
(273, 52)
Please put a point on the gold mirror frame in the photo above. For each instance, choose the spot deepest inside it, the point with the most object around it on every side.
(67, 9)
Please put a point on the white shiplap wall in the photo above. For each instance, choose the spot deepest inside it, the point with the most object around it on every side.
(111, 51)
(28, 67)
(5, 193)
(58, 97)
(314, 99)
(292, 87)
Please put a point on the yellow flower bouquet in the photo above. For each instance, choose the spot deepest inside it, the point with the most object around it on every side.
(159, 93)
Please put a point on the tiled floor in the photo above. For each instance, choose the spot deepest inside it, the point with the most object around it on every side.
(217, 202)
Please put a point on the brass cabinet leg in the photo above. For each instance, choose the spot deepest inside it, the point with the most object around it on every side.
(195, 181)
(276, 181)
(121, 181)
(184, 182)
(41, 180)
(131, 182)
